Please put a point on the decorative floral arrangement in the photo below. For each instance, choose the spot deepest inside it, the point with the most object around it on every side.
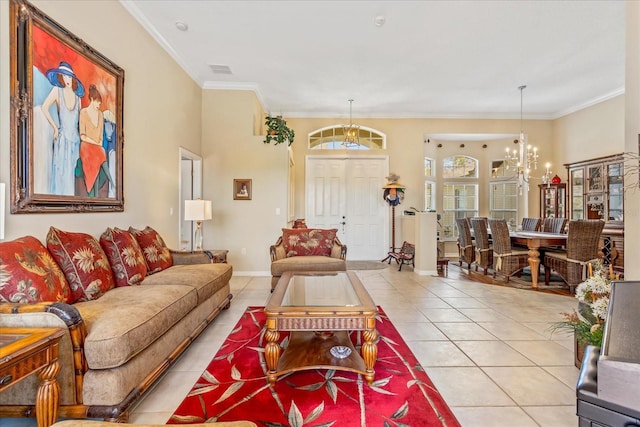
(593, 302)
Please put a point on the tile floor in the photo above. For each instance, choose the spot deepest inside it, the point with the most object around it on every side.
(487, 348)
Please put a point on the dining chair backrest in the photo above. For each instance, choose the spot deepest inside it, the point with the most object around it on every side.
(477, 217)
(464, 231)
(554, 225)
(500, 236)
(479, 226)
(530, 224)
(583, 239)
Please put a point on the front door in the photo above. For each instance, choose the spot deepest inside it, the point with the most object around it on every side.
(346, 193)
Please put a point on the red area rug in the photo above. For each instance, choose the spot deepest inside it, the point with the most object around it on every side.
(234, 387)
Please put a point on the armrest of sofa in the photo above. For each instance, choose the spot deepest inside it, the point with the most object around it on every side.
(191, 257)
(276, 251)
(70, 316)
(339, 250)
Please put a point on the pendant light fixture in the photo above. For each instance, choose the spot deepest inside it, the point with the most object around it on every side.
(351, 132)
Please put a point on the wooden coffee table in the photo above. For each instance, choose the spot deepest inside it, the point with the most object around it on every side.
(26, 351)
(320, 308)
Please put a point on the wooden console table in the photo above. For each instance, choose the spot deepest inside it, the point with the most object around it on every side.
(26, 351)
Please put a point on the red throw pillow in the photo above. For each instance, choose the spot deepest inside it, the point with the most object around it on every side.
(83, 261)
(28, 273)
(125, 257)
(156, 253)
(308, 241)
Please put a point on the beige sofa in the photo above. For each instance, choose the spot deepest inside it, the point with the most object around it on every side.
(116, 346)
(282, 261)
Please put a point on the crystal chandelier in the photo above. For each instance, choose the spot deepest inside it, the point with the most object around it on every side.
(351, 132)
(525, 158)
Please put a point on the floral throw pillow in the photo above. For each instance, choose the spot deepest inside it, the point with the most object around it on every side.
(84, 263)
(156, 253)
(28, 273)
(308, 241)
(125, 257)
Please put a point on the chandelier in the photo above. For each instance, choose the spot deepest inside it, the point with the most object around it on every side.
(351, 132)
(525, 158)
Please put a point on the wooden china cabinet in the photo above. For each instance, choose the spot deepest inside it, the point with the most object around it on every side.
(553, 200)
(596, 191)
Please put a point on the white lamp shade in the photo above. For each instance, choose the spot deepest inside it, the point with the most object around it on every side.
(197, 210)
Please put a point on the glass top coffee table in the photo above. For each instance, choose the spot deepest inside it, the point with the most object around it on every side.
(320, 308)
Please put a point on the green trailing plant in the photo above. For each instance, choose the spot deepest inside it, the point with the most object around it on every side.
(278, 131)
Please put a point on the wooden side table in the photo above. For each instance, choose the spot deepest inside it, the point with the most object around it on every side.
(26, 351)
(217, 255)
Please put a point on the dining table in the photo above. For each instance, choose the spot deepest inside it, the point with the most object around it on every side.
(534, 240)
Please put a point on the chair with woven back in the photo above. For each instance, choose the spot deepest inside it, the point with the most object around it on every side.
(531, 224)
(466, 251)
(554, 225)
(484, 252)
(583, 247)
(506, 260)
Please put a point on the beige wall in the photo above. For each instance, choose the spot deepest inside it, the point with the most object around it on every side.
(161, 113)
(594, 132)
(232, 150)
(406, 149)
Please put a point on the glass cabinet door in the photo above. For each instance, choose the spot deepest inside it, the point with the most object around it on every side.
(550, 197)
(577, 194)
(615, 190)
(562, 196)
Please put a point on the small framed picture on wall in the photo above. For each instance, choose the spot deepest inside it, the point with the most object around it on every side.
(241, 189)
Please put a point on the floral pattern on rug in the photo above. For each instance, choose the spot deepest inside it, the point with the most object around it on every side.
(234, 386)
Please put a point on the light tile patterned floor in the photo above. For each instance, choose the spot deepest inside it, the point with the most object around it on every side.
(488, 349)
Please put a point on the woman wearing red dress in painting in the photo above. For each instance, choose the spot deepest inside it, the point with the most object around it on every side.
(92, 152)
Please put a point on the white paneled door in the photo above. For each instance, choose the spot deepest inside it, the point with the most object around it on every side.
(346, 193)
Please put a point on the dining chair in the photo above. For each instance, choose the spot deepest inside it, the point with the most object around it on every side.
(484, 252)
(506, 260)
(466, 252)
(531, 224)
(554, 225)
(583, 240)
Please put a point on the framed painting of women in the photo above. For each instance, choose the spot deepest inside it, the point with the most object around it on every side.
(66, 121)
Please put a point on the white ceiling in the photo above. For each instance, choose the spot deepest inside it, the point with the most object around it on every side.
(306, 58)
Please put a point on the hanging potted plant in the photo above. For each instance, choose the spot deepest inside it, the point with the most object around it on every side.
(278, 131)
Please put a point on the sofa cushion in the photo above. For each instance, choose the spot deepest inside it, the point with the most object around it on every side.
(28, 273)
(206, 279)
(308, 241)
(83, 262)
(126, 320)
(125, 256)
(156, 253)
(307, 263)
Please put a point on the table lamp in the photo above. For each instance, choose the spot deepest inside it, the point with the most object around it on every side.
(198, 211)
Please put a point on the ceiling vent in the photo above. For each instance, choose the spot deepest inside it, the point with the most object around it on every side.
(220, 69)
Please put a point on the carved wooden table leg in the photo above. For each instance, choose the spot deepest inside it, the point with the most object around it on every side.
(534, 264)
(48, 395)
(272, 354)
(369, 353)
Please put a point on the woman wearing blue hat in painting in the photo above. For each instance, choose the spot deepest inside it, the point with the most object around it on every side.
(66, 93)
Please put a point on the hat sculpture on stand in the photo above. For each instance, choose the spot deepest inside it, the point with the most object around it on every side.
(393, 195)
(393, 190)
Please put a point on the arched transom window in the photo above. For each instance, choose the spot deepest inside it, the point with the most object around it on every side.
(331, 138)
